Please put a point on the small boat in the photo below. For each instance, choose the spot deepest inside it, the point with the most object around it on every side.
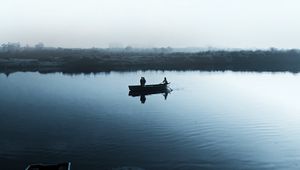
(149, 88)
(61, 166)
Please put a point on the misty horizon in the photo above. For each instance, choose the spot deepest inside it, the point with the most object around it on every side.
(40, 45)
(178, 24)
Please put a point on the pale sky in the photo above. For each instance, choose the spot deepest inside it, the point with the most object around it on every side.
(152, 23)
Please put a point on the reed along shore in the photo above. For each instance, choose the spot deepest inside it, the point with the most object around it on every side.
(99, 60)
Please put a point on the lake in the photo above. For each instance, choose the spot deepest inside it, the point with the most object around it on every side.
(211, 120)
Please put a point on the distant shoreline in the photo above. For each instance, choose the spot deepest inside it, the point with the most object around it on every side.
(93, 61)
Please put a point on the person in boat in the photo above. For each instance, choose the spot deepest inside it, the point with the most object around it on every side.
(143, 81)
(165, 81)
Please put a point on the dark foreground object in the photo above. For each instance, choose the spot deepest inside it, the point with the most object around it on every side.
(148, 88)
(62, 166)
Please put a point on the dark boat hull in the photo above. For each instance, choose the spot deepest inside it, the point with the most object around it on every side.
(62, 166)
(149, 88)
(140, 93)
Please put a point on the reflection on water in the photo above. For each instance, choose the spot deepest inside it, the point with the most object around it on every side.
(213, 120)
(143, 95)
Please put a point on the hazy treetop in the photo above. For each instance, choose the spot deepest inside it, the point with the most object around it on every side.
(148, 23)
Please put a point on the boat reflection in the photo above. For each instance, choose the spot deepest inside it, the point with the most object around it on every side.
(143, 94)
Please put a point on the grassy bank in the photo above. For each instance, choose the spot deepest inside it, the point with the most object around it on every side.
(94, 60)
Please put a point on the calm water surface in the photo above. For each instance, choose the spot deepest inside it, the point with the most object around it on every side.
(211, 120)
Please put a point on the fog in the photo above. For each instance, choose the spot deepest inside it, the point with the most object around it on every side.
(152, 23)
